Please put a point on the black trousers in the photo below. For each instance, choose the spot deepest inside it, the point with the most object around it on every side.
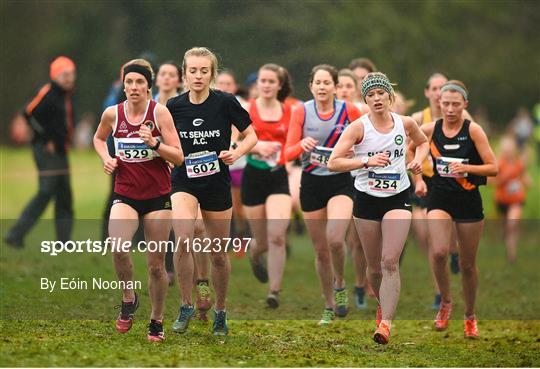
(54, 184)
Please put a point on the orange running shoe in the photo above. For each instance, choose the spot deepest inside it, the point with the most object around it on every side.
(443, 316)
(382, 334)
(378, 317)
(471, 327)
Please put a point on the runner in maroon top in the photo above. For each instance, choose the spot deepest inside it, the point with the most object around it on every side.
(140, 174)
(144, 138)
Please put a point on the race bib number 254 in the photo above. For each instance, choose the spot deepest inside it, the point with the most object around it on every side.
(384, 182)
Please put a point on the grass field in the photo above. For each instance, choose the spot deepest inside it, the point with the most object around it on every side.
(76, 328)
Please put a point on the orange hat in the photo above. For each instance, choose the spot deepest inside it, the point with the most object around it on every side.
(60, 65)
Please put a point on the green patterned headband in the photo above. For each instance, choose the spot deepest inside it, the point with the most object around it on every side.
(376, 81)
(454, 87)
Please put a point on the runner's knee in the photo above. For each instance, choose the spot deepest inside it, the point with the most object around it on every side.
(156, 269)
(390, 264)
(276, 240)
(219, 260)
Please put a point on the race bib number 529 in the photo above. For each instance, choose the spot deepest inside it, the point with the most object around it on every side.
(134, 152)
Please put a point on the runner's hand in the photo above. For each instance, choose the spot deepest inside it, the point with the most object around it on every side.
(458, 168)
(146, 135)
(380, 160)
(49, 147)
(415, 167)
(266, 149)
(110, 165)
(308, 144)
(228, 156)
(420, 188)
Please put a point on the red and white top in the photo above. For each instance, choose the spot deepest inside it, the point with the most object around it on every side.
(141, 173)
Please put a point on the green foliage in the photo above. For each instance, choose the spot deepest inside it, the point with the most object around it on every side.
(491, 45)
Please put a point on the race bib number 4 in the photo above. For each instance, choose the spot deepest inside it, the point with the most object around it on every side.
(202, 164)
(443, 167)
(134, 151)
(319, 156)
(387, 182)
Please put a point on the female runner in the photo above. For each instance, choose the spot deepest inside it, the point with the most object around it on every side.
(382, 208)
(145, 139)
(462, 159)
(203, 118)
(265, 186)
(326, 198)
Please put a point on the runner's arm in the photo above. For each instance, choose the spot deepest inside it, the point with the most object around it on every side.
(170, 148)
(248, 142)
(419, 139)
(339, 159)
(353, 112)
(293, 145)
(417, 117)
(427, 130)
(489, 167)
(103, 131)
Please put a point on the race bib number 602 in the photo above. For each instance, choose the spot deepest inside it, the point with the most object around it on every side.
(202, 164)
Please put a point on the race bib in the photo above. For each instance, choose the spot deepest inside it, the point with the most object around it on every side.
(272, 160)
(387, 182)
(443, 167)
(202, 164)
(513, 186)
(133, 150)
(319, 156)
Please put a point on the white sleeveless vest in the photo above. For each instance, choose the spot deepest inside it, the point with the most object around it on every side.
(392, 179)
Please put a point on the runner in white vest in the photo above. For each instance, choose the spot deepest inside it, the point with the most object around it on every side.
(382, 208)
